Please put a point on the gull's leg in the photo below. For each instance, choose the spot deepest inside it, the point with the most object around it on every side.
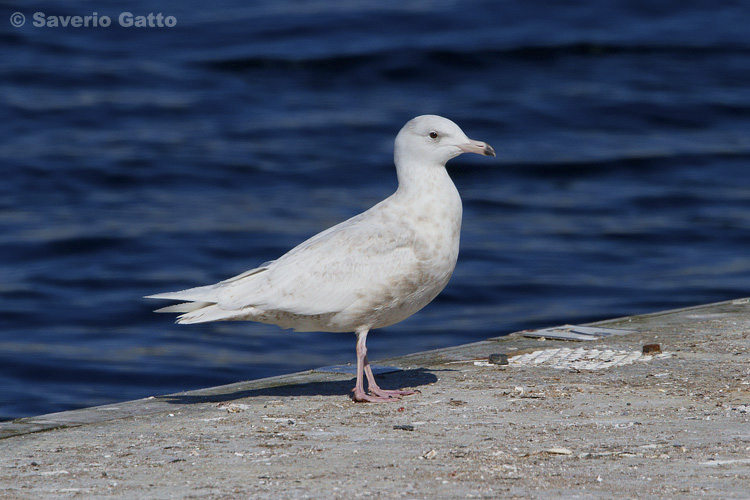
(363, 369)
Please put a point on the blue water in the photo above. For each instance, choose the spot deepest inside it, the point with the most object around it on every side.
(142, 160)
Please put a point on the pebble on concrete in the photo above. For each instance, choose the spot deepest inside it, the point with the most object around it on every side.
(651, 349)
(498, 359)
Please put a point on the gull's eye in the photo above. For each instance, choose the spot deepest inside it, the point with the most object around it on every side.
(433, 135)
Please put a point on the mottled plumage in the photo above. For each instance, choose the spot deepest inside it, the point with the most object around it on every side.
(370, 271)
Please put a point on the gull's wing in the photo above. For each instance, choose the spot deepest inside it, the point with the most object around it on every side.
(369, 255)
(327, 273)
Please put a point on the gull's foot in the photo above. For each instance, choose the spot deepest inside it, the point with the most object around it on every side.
(363, 397)
(393, 394)
(378, 395)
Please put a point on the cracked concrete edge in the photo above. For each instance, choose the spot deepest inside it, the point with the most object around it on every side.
(238, 390)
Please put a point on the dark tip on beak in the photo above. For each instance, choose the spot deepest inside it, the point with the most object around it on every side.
(478, 147)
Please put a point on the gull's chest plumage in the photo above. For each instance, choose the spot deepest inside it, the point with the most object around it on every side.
(428, 224)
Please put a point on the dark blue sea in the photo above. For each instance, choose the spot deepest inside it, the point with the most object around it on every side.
(138, 160)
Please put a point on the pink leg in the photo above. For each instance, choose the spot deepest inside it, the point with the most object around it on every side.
(363, 368)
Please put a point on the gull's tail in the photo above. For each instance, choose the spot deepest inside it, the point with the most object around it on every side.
(199, 305)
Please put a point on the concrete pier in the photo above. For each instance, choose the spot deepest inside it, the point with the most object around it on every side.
(650, 406)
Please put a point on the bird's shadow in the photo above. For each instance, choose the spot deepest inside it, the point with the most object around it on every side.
(405, 378)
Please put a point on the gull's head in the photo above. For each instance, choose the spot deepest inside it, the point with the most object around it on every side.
(435, 140)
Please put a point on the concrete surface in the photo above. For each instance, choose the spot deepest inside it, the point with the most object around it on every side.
(669, 426)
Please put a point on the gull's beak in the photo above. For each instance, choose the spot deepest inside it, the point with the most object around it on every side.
(478, 147)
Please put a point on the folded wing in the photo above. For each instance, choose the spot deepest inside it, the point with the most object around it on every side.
(323, 275)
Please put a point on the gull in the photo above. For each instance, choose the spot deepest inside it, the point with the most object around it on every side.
(370, 271)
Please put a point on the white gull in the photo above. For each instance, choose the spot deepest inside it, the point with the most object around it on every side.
(371, 271)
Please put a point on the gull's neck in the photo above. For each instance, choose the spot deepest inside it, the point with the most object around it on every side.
(430, 200)
(417, 177)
